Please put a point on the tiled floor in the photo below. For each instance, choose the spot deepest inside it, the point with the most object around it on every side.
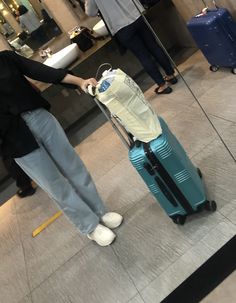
(151, 255)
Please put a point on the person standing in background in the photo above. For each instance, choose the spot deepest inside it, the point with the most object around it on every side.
(29, 21)
(124, 21)
(23, 182)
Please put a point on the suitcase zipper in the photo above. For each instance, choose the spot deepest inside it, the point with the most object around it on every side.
(169, 183)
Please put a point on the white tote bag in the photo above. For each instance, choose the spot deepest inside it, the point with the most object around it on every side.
(125, 100)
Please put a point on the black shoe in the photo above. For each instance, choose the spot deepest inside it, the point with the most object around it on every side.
(26, 192)
(173, 80)
(167, 90)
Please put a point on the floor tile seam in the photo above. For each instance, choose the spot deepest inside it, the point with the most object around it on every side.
(130, 300)
(216, 137)
(180, 256)
(222, 118)
(186, 107)
(130, 208)
(206, 111)
(107, 172)
(195, 94)
(80, 250)
(207, 144)
(138, 291)
(59, 267)
(209, 115)
(127, 273)
(229, 220)
(89, 244)
(209, 111)
(220, 186)
(137, 202)
(24, 255)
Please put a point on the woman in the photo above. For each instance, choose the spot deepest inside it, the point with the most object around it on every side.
(124, 21)
(34, 138)
(31, 23)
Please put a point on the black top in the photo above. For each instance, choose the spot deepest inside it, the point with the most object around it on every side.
(17, 96)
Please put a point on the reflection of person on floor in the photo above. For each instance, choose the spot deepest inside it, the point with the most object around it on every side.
(31, 23)
(124, 21)
(23, 182)
(37, 142)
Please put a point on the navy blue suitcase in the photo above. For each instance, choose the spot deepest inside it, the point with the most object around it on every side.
(215, 35)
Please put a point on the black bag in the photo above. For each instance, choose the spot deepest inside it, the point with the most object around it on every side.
(83, 39)
(149, 3)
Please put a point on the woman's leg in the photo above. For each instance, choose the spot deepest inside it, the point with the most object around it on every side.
(41, 168)
(130, 38)
(153, 47)
(49, 133)
(54, 140)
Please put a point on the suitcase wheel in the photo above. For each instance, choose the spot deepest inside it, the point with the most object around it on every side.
(180, 220)
(233, 70)
(214, 68)
(211, 206)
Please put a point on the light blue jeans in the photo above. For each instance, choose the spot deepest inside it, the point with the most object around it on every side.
(59, 171)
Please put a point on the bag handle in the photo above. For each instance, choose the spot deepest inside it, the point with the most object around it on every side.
(89, 33)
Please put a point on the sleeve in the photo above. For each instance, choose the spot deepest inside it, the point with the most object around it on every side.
(36, 70)
(91, 8)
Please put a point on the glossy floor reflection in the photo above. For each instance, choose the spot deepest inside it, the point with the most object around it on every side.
(151, 255)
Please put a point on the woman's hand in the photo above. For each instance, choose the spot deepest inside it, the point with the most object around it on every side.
(86, 82)
(82, 83)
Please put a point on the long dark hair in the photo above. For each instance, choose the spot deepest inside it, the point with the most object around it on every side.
(22, 10)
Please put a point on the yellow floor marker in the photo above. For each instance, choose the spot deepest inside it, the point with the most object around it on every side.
(46, 224)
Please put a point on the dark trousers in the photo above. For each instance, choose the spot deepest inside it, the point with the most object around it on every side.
(39, 35)
(138, 38)
(23, 182)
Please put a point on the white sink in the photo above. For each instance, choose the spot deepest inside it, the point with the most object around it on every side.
(64, 57)
(100, 29)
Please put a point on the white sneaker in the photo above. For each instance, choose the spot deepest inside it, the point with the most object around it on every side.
(112, 220)
(102, 235)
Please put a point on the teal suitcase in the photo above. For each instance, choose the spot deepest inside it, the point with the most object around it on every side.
(170, 175)
(167, 171)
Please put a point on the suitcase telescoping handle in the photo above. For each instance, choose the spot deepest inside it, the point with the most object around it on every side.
(115, 127)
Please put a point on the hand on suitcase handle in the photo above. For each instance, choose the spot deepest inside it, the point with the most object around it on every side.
(91, 90)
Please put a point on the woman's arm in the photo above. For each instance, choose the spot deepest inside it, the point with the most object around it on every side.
(91, 8)
(83, 83)
(41, 72)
